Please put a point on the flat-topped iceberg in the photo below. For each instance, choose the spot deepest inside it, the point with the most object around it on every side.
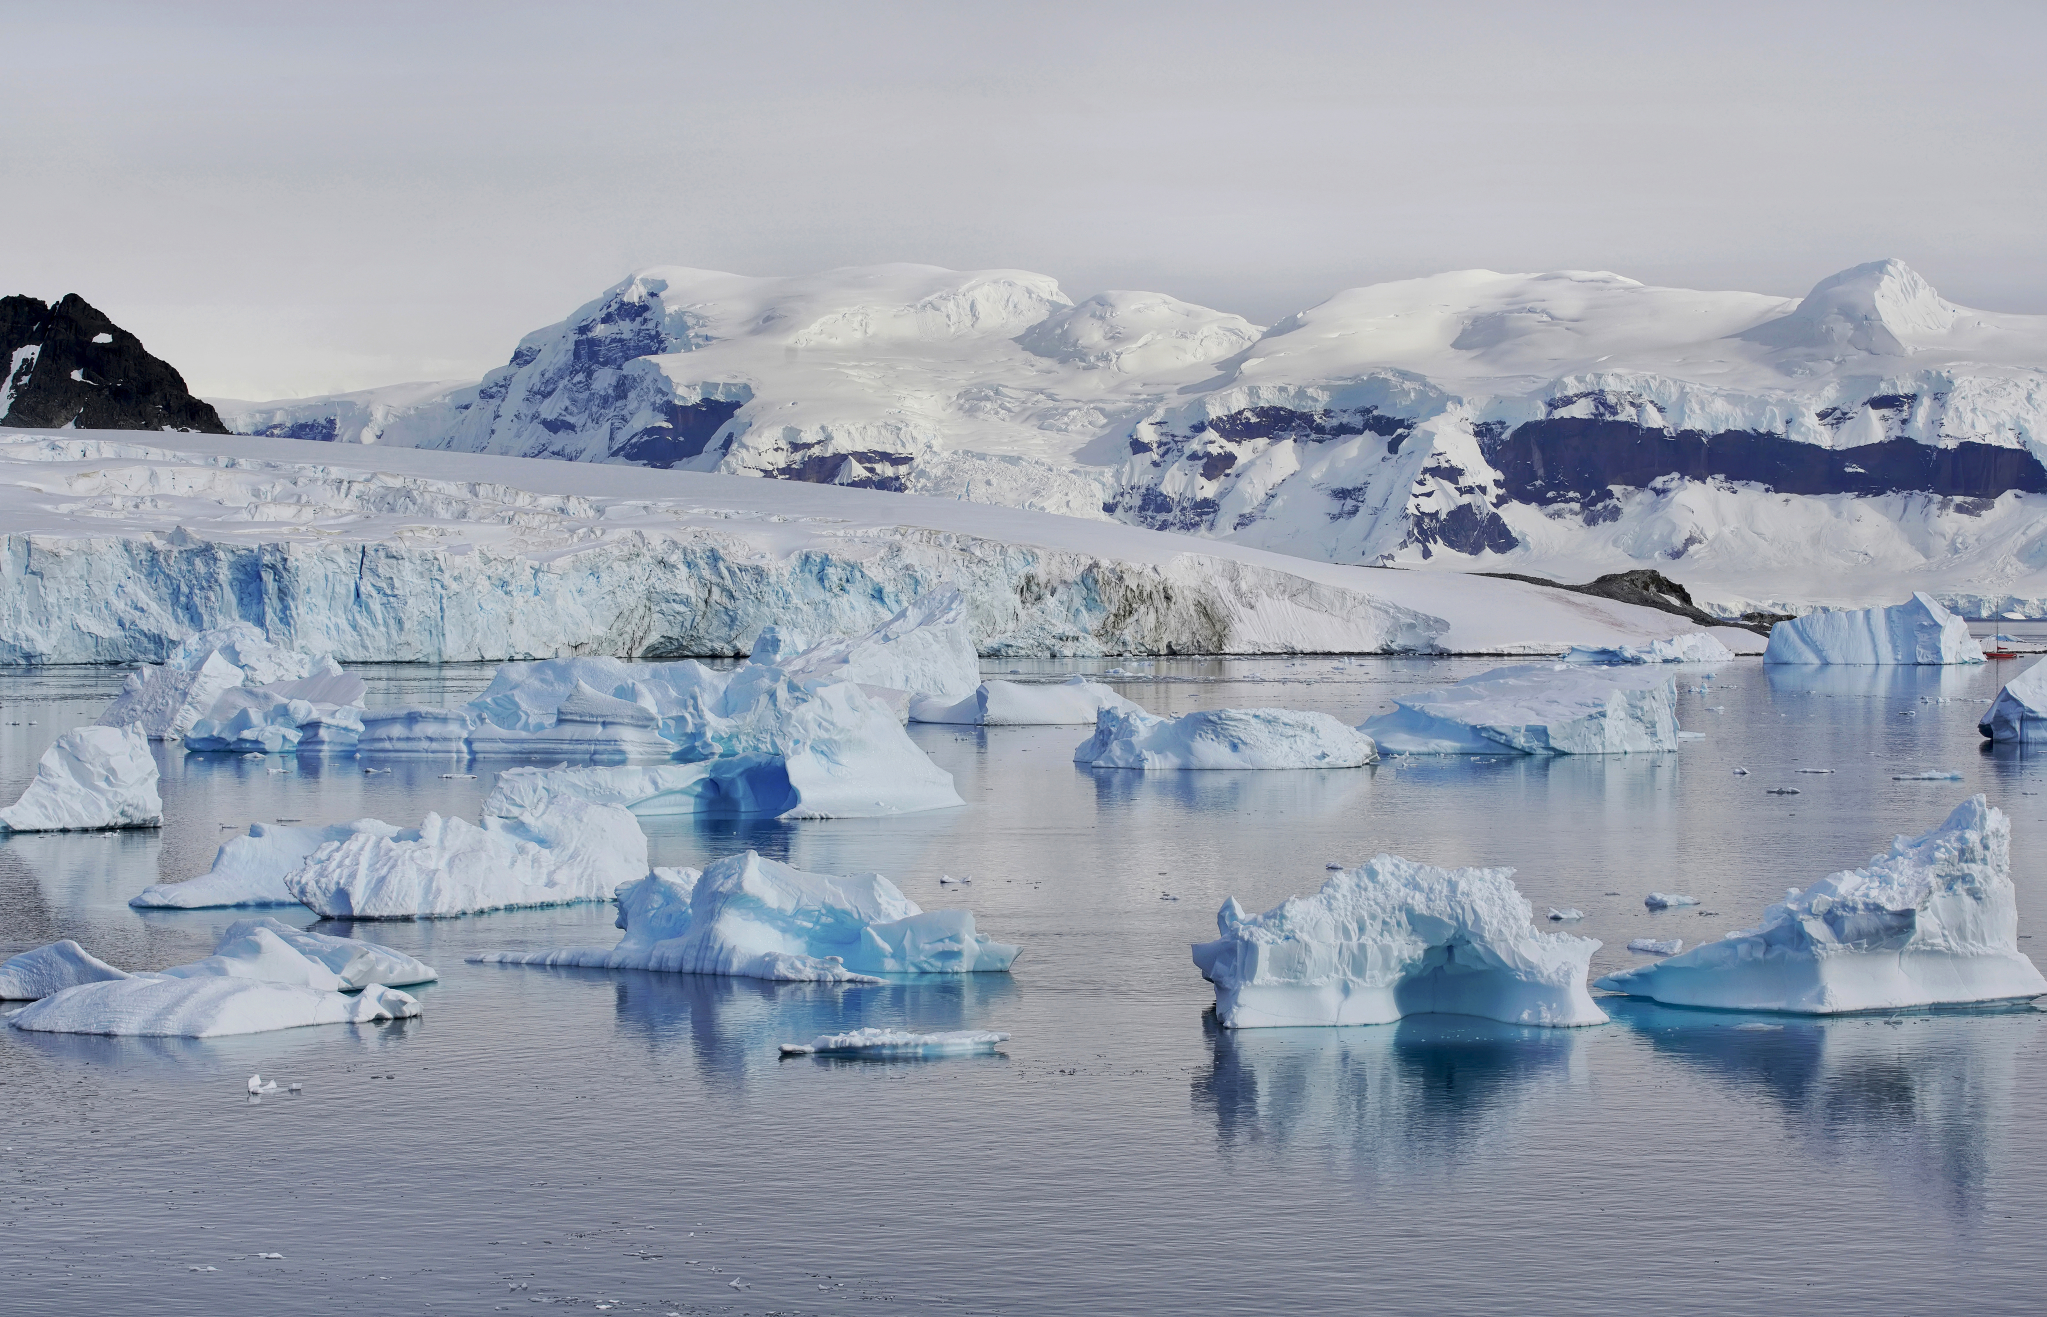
(50, 969)
(1688, 647)
(897, 1042)
(211, 1006)
(1918, 631)
(414, 731)
(1537, 708)
(757, 918)
(2019, 713)
(736, 786)
(250, 870)
(1223, 739)
(564, 851)
(1023, 704)
(1933, 921)
(320, 712)
(1394, 938)
(588, 726)
(92, 777)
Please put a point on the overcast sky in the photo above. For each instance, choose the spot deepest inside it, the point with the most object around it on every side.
(293, 199)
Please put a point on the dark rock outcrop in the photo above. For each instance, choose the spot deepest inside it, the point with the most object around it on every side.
(69, 365)
(1650, 589)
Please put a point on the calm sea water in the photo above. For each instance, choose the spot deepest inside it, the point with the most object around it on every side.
(632, 1141)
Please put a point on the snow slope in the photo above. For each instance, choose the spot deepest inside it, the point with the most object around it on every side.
(1783, 451)
(118, 546)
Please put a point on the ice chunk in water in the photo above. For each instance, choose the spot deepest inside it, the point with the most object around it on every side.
(1657, 947)
(1667, 900)
(204, 1006)
(250, 870)
(1223, 739)
(1919, 631)
(1074, 701)
(896, 1042)
(94, 777)
(52, 968)
(1537, 708)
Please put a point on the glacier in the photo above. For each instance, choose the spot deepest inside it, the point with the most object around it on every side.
(1918, 631)
(1933, 921)
(874, 1042)
(757, 918)
(119, 546)
(1565, 424)
(1223, 739)
(1537, 709)
(565, 851)
(2019, 713)
(1393, 938)
(1024, 704)
(52, 968)
(92, 777)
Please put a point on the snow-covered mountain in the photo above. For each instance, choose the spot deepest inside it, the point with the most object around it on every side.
(1847, 447)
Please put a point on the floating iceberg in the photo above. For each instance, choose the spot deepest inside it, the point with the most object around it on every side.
(356, 963)
(2019, 713)
(756, 918)
(1667, 900)
(565, 851)
(1919, 631)
(926, 649)
(170, 700)
(1018, 704)
(1395, 938)
(588, 725)
(250, 870)
(93, 777)
(896, 1042)
(1537, 708)
(50, 969)
(164, 702)
(1689, 647)
(321, 712)
(1223, 739)
(208, 1006)
(414, 732)
(1650, 946)
(1933, 921)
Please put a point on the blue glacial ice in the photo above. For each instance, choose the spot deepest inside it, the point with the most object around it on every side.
(1538, 708)
(1223, 739)
(756, 918)
(91, 777)
(2019, 713)
(1394, 938)
(1918, 631)
(1932, 921)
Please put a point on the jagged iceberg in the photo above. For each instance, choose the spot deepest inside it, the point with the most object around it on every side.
(1223, 739)
(2019, 713)
(1537, 708)
(232, 685)
(93, 777)
(925, 650)
(263, 975)
(1688, 647)
(1933, 921)
(50, 969)
(736, 786)
(1024, 704)
(1394, 938)
(757, 918)
(250, 870)
(897, 1042)
(566, 850)
(1919, 631)
(320, 712)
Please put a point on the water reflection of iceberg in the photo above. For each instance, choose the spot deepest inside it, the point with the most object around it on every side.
(1422, 1095)
(1905, 683)
(1926, 1097)
(1312, 792)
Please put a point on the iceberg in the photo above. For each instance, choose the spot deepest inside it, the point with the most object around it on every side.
(1933, 921)
(93, 777)
(756, 918)
(50, 969)
(1537, 708)
(1024, 704)
(1394, 938)
(1223, 739)
(170, 700)
(1919, 631)
(164, 702)
(1650, 946)
(2019, 713)
(1689, 647)
(1667, 900)
(322, 712)
(250, 870)
(205, 1006)
(566, 850)
(925, 650)
(414, 732)
(896, 1042)
(356, 963)
(588, 725)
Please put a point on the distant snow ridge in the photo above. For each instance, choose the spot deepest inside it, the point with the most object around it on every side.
(1918, 631)
(1394, 938)
(1575, 421)
(1933, 921)
(756, 918)
(1537, 708)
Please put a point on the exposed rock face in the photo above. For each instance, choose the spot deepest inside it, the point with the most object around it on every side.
(69, 365)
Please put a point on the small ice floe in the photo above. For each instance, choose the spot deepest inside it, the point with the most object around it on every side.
(370, 771)
(1566, 915)
(1812, 770)
(1930, 775)
(1741, 772)
(1167, 896)
(1667, 900)
(1334, 866)
(1759, 1028)
(297, 1088)
(258, 1084)
(202, 1268)
(738, 1284)
(1691, 736)
(948, 881)
(1781, 791)
(273, 1257)
(1716, 708)
(896, 1042)
(459, 777)
(1650, 946)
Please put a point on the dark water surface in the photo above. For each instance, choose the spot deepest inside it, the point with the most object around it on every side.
(632, 1141)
